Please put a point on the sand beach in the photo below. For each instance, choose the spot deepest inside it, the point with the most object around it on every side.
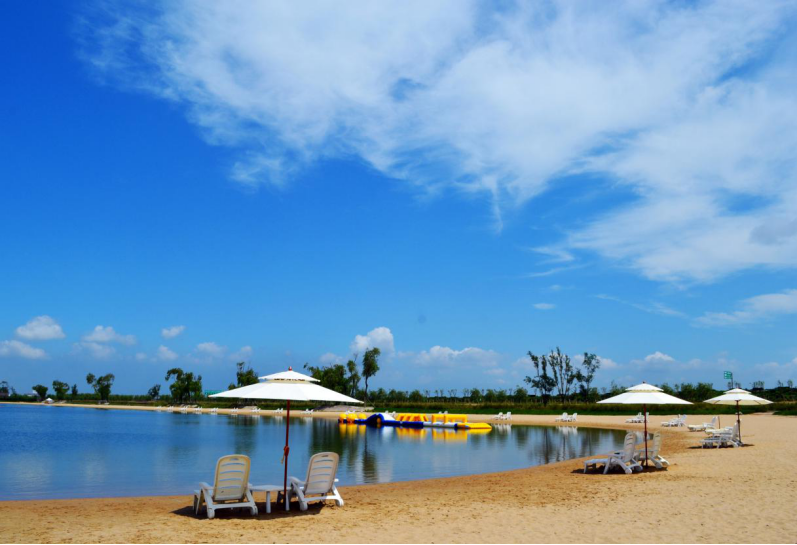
(743, 495)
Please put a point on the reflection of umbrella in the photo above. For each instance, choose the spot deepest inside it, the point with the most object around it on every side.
(645, 394)
(288, 386)
(737, 397)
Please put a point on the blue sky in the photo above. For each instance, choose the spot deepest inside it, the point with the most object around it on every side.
(199, 183)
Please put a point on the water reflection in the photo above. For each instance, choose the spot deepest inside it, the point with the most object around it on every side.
(69, 452)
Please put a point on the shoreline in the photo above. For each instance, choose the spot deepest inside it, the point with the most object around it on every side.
(706, 495)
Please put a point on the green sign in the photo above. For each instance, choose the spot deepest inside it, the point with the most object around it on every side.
(728, 375)
(211, 392)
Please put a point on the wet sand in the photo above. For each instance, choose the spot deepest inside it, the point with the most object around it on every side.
(743, 495)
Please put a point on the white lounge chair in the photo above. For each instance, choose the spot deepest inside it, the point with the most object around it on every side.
(623, 459)
(723, 438)
(499, 416)
(705, 425)
(319, 485)
(573, 417)
(653, 452)
(230, 488)
(635, 419)
(562, 418)
(676, 422)
(508, 416)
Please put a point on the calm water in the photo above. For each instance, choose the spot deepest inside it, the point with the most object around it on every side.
(58, 452)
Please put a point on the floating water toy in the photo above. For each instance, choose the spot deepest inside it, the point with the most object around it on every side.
(414, 420)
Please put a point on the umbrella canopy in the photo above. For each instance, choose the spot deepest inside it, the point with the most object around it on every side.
(645, 394)
(737, 397)
(287, 390)
(287, 386)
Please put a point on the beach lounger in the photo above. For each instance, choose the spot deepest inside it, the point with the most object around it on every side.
(319, 485)
(704, 426)
(508, 416)
(499, 416)
(635, 419)
(562, 418)
(723, 438)
(572, 418)
(653, 452)
(623, 459)
(230, 488)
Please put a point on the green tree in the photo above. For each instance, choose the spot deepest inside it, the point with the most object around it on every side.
(354, 377)
(154, 392)
(60, 389)
(415, 396)
(370, 366)
(475, 395)
(4, 389)
(589, 365)
(74, 392)
(332, 377)
(102, 385)
(185, 385)
(564, 373)
(245, 375)
(41, 391)
(543, 382)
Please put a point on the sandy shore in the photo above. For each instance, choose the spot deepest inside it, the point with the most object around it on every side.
(746, 495)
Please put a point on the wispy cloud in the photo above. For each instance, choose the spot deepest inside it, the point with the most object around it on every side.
(503, 104)
(544, 306)
(754, 309)
(652, 307)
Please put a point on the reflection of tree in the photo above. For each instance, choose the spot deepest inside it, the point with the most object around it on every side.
(554, 444)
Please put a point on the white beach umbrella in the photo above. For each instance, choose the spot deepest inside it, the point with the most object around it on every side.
(738, 397)
(287, 386)
(645, 394)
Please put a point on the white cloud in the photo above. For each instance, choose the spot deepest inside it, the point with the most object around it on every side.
(172, 332)
(443, 356)
(141, 356)
(658, 357)
(211, 350)
(102, 334)
(18, 349)
(165, 354)
(96, 350)
(379, 337)
(330, 358)
(243, 354)
(754, 309)
(40, 328)
(544, 306)
(504, 104)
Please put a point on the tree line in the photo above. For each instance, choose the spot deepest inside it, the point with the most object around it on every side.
(556, 376)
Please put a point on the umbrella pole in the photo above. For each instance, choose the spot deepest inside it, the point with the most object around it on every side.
(286, 451)
(739, 420)
(645, 412)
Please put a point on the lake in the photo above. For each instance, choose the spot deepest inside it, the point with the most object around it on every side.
(68, 452)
